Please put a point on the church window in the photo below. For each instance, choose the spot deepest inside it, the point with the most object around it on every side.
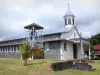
(74, 34)
(69, 20)
(65, 22)
(8, 48)
(18, 47)
(1, 49)
(46, 46)
(54, 45)
(65, 46)
(14, 48)
(73, 21)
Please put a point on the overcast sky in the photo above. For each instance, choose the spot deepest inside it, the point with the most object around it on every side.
(15, 14)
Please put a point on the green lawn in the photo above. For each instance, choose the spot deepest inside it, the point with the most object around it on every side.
(38, 67)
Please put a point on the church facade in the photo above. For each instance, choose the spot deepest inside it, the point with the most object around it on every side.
(63, 43)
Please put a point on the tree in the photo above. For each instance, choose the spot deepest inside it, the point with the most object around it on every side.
(94, 40)
(25, 51)
(38, 51)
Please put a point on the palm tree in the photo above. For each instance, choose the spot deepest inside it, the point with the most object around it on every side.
(25, 51)
(37, 51)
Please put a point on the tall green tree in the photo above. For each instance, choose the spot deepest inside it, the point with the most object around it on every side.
(94, 40)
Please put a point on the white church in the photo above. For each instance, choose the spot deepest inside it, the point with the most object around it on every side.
(63, 43)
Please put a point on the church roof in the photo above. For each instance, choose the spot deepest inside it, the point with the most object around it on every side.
(44, 33)
(57, 30)
(69, 12)
(36, 26)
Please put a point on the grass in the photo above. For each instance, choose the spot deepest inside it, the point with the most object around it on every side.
(38, 67)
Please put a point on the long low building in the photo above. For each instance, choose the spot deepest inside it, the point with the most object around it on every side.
(53, 44)
(10, 48)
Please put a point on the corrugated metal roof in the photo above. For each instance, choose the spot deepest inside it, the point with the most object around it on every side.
(45, 32)
(57, 30)
(69, 12)
(36, 26)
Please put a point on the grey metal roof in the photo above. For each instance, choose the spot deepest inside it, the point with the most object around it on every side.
(45, 32)
(69, 12)
(36, 26)
(60, 39)
(57, 30)
(7, 40)
(48, 40)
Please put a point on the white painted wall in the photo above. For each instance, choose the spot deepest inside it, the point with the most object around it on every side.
(79, 53)
(74, 35)
(66, 35)
(70, 35)
(69, 53)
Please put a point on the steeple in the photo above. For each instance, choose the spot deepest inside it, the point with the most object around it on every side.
(69, 17)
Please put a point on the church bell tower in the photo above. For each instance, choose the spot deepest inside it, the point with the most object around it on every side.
(69, 18)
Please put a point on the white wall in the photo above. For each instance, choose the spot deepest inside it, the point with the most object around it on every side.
(67, 55)
(70, 35)
(67, 35)
(79, 53)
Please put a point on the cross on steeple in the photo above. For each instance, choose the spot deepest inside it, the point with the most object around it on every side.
(68, 5)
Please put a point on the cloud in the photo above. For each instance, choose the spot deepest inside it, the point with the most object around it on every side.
(15, 14)
(47, 8)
